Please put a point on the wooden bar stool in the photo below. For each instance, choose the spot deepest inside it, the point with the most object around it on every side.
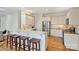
(35, 44)
(9, 36)
(14, 41)
(9, 40)
(24, 43)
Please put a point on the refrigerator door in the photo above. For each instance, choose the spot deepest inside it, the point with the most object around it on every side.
(46, 26)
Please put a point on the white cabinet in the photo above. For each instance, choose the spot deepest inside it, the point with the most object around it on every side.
(56, 32)
(27, 21)
(71, 41)
(58, 20)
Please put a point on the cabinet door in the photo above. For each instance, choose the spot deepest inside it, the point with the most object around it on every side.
(29, 20)
(71, 41)
(56, 32)
(74, 21)
(67, 40)
(58, 20)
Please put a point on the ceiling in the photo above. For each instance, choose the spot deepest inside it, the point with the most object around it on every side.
(34, 10)
(45, 10)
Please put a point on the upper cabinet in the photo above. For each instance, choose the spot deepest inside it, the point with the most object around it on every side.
(27, 20)
(58, 20)
(74, 16)
(46, 18)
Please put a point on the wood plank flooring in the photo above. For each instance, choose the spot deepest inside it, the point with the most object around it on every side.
(57, 44)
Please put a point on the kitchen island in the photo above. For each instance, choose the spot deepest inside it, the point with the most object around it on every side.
(35, 34)
(71, 40)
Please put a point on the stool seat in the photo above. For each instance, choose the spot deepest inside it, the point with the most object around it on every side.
(24, 41)
(13, 41)
(15, 36)
(34, 40)
(24, 37)
(35, 44)
(11, 35)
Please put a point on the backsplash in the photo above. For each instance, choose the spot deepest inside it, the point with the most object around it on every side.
(67, 28)
(58, 26)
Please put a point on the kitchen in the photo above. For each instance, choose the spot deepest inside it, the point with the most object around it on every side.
(64, 25)
(60, 22)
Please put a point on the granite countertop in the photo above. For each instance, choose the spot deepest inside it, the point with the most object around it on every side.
(71, 33)
(31, 32)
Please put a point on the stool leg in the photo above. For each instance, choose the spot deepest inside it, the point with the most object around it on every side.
(36, 46)
(7, 41)
(19, 44)
(33, 46)
(39, 45)
(28, 48)
(29, 44)
(16, 44)
(24, 45)
(10, 42)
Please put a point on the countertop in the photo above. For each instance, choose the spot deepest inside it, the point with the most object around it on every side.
(31, 31)
(70, 33)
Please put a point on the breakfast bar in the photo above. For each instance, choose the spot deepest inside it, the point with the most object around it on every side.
(42, 36)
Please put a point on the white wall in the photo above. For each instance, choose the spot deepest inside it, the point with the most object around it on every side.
(38, 22)
(12, 21)
(74, 16)
(2, 22)
(8, 22)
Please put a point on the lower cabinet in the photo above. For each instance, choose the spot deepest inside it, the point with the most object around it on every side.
(71, 41)
(56, 32)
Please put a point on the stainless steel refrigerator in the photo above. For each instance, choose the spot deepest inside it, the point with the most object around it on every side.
(46, 25)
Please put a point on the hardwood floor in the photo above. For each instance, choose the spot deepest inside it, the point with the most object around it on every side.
(57, 44)
(54, 44)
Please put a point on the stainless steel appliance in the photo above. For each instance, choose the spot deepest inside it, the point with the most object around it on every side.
(46, 25)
